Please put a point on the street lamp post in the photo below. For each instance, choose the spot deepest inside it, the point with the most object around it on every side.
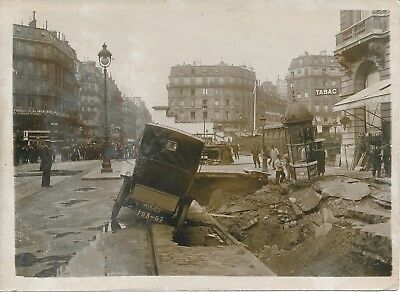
(264, 162)
(240, 122)
(105, 61)
(204, 119)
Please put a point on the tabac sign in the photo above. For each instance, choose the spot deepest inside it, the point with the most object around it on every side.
(326, 91)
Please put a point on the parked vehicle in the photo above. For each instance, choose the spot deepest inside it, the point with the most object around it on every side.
(157, 191)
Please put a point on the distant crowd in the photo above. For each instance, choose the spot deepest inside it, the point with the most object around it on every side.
(74, 152)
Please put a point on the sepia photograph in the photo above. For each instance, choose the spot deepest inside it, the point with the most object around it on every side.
(245, 141)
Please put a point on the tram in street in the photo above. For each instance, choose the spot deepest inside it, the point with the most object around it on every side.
(166, 163)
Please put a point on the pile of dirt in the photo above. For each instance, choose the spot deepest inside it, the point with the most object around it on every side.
(298, 231)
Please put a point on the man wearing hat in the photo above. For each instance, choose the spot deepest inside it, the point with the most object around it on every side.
(45, 164)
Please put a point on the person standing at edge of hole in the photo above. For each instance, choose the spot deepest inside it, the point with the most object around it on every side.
(376, 161)
(279, 166)
(387, 159)
(235, 149)
(45, 163)
(256, 156)
(274, 155)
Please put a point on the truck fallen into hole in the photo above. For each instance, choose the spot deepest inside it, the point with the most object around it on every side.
(166, 164)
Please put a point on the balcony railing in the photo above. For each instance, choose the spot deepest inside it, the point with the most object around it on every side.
(46, 56)
(377, 24)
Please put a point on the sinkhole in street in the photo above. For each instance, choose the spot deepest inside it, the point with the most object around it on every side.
(199, 236)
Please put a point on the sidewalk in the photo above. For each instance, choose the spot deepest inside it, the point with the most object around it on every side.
(242, 167)
(123, 166)
(34, 168)
(119, 167)
(28, 177)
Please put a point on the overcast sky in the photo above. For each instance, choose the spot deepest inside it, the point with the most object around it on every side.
(147, 38)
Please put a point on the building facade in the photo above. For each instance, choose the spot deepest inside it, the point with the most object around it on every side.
(143, 115)
(129, 117)
(363, 49)
(91, 103)
(314, 80)
(45, 83)
(220, 93)
(114, 108)
(281, 88)
(91, 99)
(269, 104)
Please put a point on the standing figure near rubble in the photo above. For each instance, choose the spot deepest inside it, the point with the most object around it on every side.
(274, 155)
(266, 156)
(387, 159)
(376, 161)
(235, 149)
(256, 156)
(279, 166)
(286, 165)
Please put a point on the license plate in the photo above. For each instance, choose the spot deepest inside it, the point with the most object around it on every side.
(149, 216)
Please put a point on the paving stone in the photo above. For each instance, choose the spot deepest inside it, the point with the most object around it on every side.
(382, 198)
(327, 216)
(369, 214)
(375, 242)
(321, 231)
(307, 198)
(348, 191)
(296, 209)
(380, 229)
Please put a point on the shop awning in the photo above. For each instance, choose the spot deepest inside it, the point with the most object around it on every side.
(378, 92)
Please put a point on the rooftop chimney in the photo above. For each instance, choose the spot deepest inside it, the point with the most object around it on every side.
(33, 22)
(46, 24)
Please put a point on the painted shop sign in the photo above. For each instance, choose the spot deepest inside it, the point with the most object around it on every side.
(327, 91)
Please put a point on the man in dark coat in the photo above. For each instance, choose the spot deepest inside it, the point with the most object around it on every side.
(45, 164)
(387, 159)
(376, 161)
(256, 158)
(235, 148)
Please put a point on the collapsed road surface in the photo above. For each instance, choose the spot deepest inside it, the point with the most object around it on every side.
(337, 225)
(65, 231)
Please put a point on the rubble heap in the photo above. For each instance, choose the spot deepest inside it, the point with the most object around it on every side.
(336, 226)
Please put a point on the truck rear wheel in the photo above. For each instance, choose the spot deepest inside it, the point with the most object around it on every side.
(181, 217)
(122, 195)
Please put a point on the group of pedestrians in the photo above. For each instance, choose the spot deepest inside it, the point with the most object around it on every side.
(92, 151)
(381, 154)
(74, 152)
(26, 153)
(273, 159)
